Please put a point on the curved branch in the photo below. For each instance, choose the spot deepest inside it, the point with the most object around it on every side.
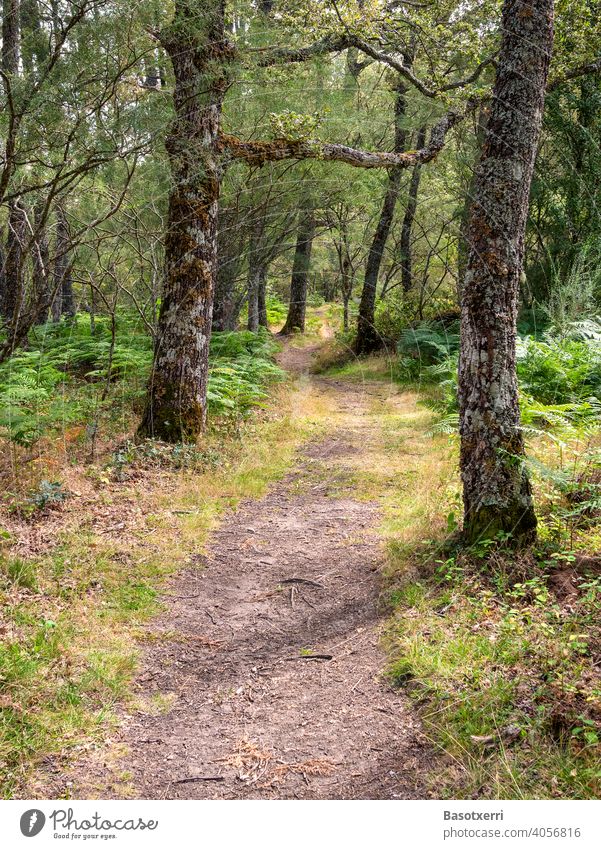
(593, 67)
(335, 44)
(257, 153)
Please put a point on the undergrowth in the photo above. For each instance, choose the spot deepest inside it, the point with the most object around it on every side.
(76, 373)
(501, 656)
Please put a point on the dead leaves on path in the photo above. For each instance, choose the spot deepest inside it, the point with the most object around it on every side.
(255, 764)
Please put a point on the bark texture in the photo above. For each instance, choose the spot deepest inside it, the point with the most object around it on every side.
(295, 320)
(176, 403)
(257, 272)
(262, 299)
(409, 218)
(496, 489)
(367, 337)
(257, 153)
(11, 36)
(41, 267)
(63, 301)
(13, 294)
(227, 300)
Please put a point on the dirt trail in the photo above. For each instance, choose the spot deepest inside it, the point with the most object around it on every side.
(271, 678)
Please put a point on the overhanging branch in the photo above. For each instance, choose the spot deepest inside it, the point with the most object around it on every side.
(257, 153)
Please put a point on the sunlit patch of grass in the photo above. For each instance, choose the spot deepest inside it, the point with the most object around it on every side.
(365, 369)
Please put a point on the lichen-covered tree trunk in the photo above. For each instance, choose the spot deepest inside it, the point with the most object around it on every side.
(463, 245)
(496, 489)
(367, 340)
(295, 321)
(176, 403)
(409, 218)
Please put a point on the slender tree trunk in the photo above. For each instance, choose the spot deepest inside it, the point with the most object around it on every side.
(496, 489)
(41, 268)
(230, 250)
(367, 337)
(2, 274)
(64, 301)
(409, 218)
(253, 298)
(262, 298)
(12, 303)
(295, 320)
(255, 271)
(176, 404)
(13, 259)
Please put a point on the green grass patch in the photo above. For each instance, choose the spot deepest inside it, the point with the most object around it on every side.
(504, 673)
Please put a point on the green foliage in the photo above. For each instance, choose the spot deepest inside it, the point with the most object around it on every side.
(276, 310)
(504, 673)
(72, 369)
(560, 371)
(559, 379)
(241, 367)
(426, 351)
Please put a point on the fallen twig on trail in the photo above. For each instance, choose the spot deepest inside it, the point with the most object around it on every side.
(312, 657)
(301, 581)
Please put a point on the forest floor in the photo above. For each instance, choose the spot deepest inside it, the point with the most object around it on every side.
(263, 675)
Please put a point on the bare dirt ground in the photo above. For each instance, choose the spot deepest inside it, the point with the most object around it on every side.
(266, 671)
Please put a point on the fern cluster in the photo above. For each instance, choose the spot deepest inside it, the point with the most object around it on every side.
(70, 370)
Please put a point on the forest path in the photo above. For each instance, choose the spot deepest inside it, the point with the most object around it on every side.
(266, 661)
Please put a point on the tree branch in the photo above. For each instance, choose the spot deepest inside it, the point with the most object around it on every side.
(593, 67)
(335, 44)
(257, 153)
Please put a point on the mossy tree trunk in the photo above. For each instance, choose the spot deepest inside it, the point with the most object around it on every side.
(176, 402)
(13, 294)
(496, 489)
(295, 320)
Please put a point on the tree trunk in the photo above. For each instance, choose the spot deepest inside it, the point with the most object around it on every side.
(295, 320)
(12, 302)
(253, 298)
(368, 340)
(64, 303)
(496, 489)
(409, 218)
(463, 244)
(11, 39)
(41, 268)
(230, 251)
(262, 298)
(256, 271)
(176, 404)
